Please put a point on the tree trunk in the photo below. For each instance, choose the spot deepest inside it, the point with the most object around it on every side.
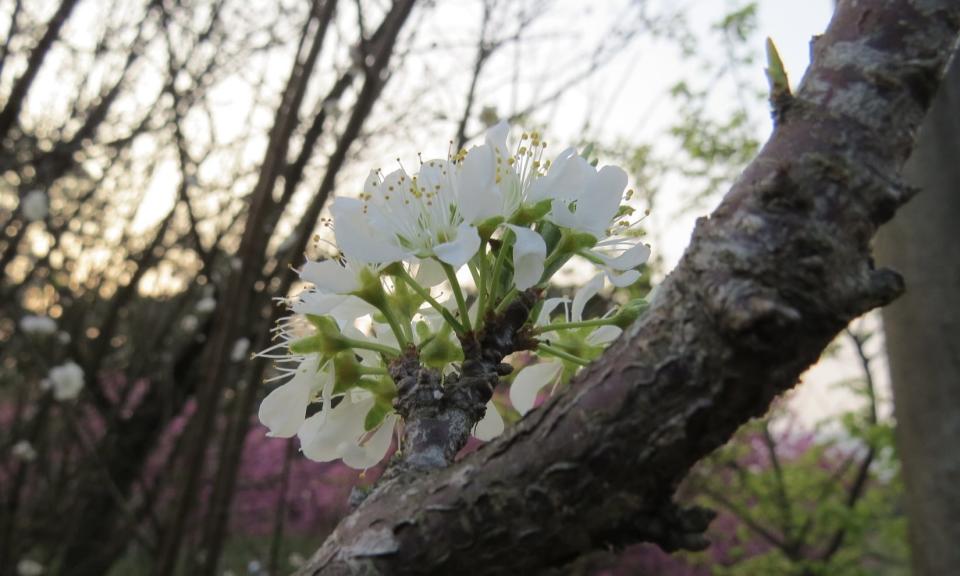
(769, 279)
(923, 336)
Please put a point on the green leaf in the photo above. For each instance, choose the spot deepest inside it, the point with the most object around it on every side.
(776, 74)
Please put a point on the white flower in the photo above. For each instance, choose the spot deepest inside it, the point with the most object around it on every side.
(587, 200)
(38, 325)
(206, 305)
(24, 451)
(584, 199)
(601, 336)
(338, 432)
(619, 257)
(27, 567)
(404, 216)
(284, 410)
(189, 323)
(34, 205)
(529, 254)
(494, 183)
(239, 351)
(491, 425)
(65, 380)
(530, 380)
(337, 276)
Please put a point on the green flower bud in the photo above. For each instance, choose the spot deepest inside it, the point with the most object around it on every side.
(629, 312)
(440, 351)
(326, 342)
(371, 289)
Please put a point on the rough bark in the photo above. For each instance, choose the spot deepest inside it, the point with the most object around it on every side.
(769, 279)
(923, 336)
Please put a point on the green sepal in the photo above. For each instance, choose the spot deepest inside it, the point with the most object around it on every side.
(488, 226)
(530, 213)
(371, 289)
(376, 414)
(308, 345)
(381, 386)
(405, 300)
(346, 371)
(441, 351)
(423, 330)
(326, 342)
(581, 240)
(630, 311)
(394, 269)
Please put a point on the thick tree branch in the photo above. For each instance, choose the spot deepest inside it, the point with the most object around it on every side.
(769, 279)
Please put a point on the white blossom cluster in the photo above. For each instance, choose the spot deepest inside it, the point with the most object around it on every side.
(508, 217)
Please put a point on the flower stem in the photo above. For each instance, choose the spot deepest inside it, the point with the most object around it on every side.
(365, 345)
(458, 294)
(497, 268)
(574, 325)
(507, 299)
(395, 325)
(373, 371)
(551, 351)
(482, 284)
(425, 294)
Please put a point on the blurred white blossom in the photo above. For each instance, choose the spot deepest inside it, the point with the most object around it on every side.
(239, 351)
(65, 380)
(24, 450)
(38, 325)
(35, 205)
(27, 567)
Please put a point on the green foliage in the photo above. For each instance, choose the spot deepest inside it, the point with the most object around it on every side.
(812, 502)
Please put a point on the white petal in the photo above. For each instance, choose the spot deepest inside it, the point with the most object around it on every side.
(601, 200)
(604, 335)
(374, 449)
(359, 240)
(491, 425)
(458, 251)
(331, 276)
(479, 197)
(343, 309)
(529, 254)
(529, 382)
(371, 186)
(284, 409)
(623, 279)
(496, 138)
(429, 273)
(630, 258)
(549, 305)
(583, 295)
(312, 439)
(323, 435)
(553, 184)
